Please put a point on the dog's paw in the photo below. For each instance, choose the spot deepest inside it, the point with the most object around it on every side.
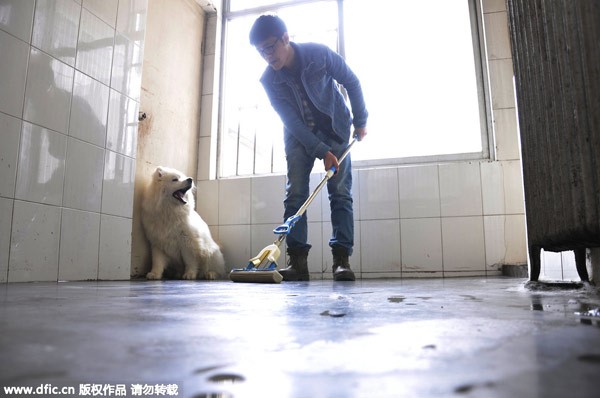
(190, 275)
(211, 276)
(153, 276)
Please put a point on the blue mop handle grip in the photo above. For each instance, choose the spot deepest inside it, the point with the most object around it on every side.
(286, 227)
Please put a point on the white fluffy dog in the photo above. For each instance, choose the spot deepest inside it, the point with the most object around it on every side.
(178, 236)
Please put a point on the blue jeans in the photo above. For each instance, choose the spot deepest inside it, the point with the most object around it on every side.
(339, 187)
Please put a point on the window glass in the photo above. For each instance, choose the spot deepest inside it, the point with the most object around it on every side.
(416, 64)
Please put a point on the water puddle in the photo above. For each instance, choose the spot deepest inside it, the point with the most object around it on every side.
(467, 388)
(332, 314)
(590, 358)
(553, 286)
(227, 378)
(470, 297)
(213, 395)
(396, 299)
(589, 317)
(208, 369)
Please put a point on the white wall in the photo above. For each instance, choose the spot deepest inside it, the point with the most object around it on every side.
(70, 75)
(439, 220)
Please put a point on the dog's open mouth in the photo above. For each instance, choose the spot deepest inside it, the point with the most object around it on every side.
(180, 194)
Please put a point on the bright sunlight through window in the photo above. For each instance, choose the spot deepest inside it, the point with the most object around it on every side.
(416, 62)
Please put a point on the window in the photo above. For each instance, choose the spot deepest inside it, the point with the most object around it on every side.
(419, 64)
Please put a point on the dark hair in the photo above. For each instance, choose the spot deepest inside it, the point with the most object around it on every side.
(266, 26)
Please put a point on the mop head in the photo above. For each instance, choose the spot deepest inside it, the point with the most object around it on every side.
(255, 276)
(260, 269)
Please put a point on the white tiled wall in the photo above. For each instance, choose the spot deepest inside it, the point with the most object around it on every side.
(420, 193)
(69, 90)
(416, 221)
(79, 245)
(421, 242)
(41, 165)
(460, 189)
(34, 242)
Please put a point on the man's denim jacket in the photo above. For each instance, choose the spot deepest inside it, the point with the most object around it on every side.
(322, 71)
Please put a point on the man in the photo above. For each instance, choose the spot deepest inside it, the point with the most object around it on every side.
(301, 82)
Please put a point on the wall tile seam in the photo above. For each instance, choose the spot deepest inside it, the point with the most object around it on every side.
(75, 138)
(480, 161)
(499, 60)
(112, 25)
(75, 69)
(115, 32)
(44, 127)
(19, 39)
(375, 219)
(137, 100)
(500, 108)
(492, 59)
(62, 207)
(509, 159)
(494, 12)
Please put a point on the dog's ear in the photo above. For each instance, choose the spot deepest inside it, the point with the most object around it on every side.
(159, 172)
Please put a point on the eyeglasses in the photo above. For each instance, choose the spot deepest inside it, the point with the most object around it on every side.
(268, 50)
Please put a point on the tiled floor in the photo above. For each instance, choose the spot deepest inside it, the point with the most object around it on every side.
(467, 337)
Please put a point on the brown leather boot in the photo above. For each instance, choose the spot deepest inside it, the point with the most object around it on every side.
(297, 267)
(341, 267)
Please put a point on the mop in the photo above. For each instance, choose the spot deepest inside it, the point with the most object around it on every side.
(263, 267)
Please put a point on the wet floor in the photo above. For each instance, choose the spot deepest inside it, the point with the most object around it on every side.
(466, 337)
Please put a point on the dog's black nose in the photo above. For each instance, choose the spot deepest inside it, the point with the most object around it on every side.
(189, 180)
